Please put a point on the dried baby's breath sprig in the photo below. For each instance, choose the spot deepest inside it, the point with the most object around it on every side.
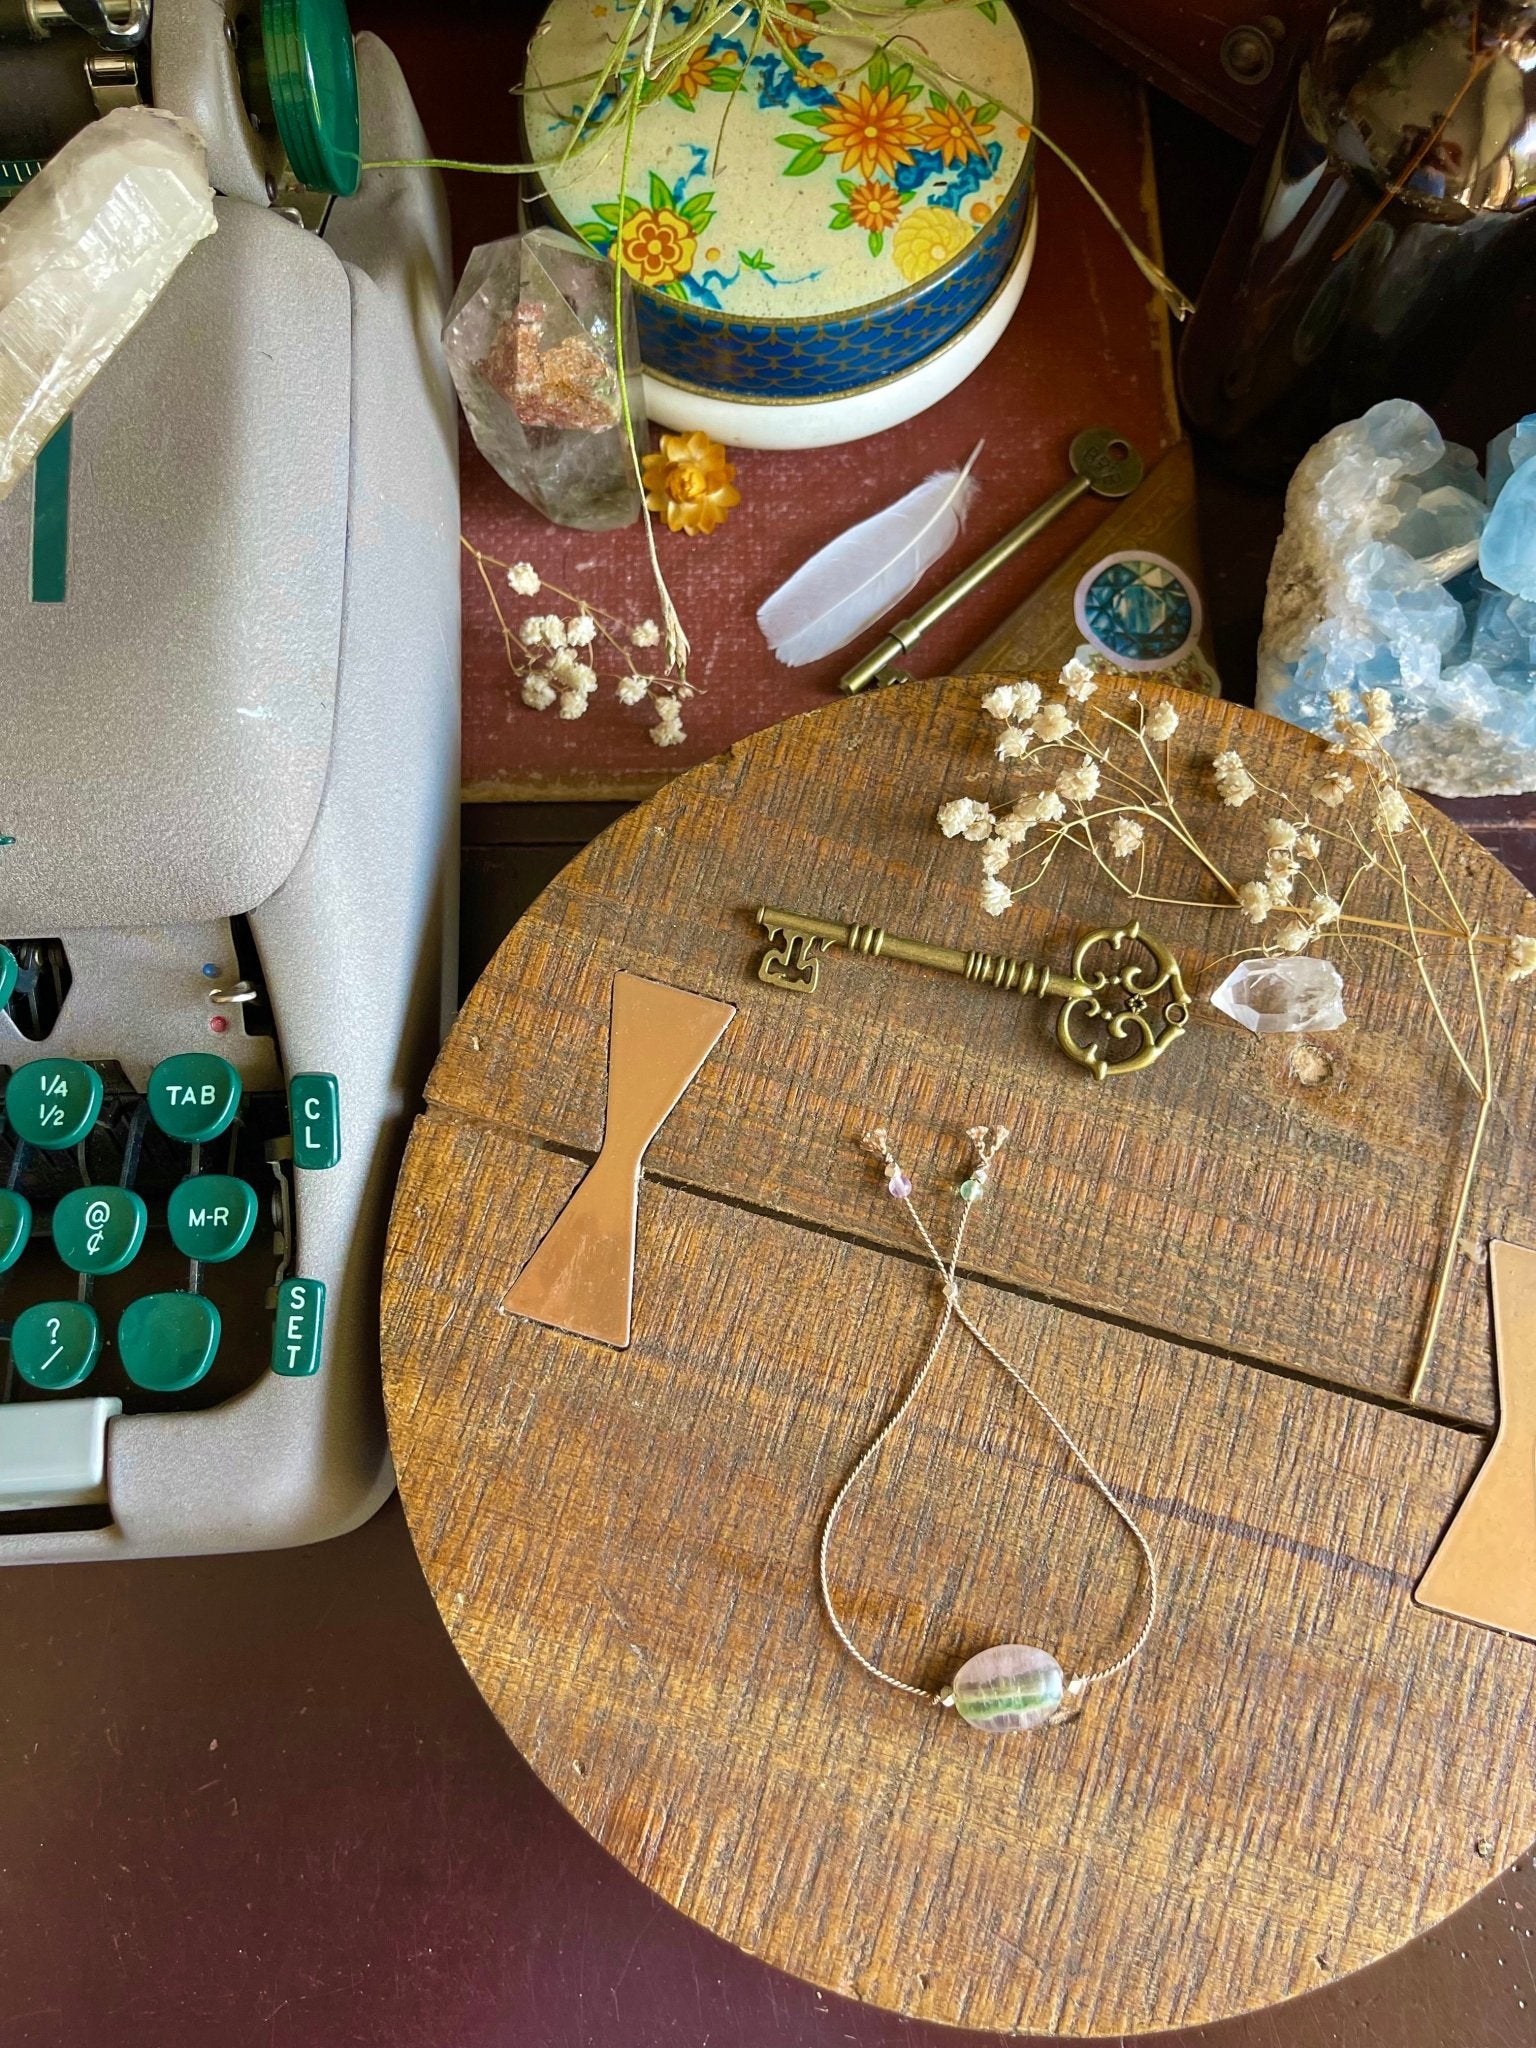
(1333, 788)
(1102, 782)
(964, 818)
(1392, 812)
(1255, 900)
(554, 657)
(1161, 722)
(1234, 785)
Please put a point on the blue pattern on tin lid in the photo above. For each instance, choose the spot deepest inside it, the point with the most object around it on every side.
(829, 358)
(1139, 610)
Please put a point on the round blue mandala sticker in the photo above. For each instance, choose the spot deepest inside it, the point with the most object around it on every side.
(1138, 610)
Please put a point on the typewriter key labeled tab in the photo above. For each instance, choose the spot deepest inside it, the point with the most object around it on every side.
(8, 973)
(193, 1096)
(99, 1230)
(300, 1326)
(168, 1341)
(55, 1343)
(53, 1103)
(315, 1103)
(212, 1216)
(15, 1227)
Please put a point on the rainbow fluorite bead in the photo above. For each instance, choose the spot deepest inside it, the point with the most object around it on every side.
(1009, 1686)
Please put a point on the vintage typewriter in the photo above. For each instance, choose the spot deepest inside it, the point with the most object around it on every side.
(229, 640)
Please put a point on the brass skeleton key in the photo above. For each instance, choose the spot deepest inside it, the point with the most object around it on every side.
(1115, 998)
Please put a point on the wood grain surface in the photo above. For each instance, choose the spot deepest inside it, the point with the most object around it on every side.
(1219, 1270)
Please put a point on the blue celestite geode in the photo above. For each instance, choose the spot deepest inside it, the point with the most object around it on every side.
(1401, 569)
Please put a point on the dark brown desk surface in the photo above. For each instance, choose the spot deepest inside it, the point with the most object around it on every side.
(256, 1802)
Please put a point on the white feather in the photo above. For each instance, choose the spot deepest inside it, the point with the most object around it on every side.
(856, 578)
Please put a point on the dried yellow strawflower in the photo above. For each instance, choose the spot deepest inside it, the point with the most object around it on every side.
(689, 481)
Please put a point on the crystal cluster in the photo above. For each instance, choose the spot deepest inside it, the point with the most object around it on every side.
(531, 347)
(1402, 568)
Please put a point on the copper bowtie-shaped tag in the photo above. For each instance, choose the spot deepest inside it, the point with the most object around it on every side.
(1485, 1567)
(582, 1277)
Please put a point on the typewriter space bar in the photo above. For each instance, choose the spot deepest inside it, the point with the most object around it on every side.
(53, 1454)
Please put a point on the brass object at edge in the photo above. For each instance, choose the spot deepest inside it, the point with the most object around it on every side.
(1119, 1000)
(1484, 1569)
(1096, 467)
(582, 1276)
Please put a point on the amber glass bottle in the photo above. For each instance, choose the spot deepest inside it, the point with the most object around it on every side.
(1388, 210)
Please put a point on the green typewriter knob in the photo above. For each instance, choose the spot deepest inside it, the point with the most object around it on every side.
(311, 80)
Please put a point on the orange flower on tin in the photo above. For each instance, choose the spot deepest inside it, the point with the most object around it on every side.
(875, 206)
(874, 130)
(953, 132)
(697, 71)
(792, 34)
(689, 482)
(657, 245)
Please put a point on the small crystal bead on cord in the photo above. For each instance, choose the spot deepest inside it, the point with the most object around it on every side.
(988, 1141)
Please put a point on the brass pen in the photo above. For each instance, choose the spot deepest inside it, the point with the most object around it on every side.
(1103, 462)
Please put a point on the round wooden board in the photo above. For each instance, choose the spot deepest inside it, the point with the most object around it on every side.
(1219, 1269)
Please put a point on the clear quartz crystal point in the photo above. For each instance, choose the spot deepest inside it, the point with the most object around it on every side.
(86, 247)
(531, 349)
(1298, 993)
(1010, 1686)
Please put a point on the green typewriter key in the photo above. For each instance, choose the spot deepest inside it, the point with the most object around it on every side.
(54, 1343)
(99, 1230)
(299, 1328)
(8, 973)
(53, 1103)
(212, 1216)
(193, 1096)
(168, 1341)
(314, 1103)
(15, 1227)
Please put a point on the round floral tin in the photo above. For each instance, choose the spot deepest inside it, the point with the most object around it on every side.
(810, 217)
